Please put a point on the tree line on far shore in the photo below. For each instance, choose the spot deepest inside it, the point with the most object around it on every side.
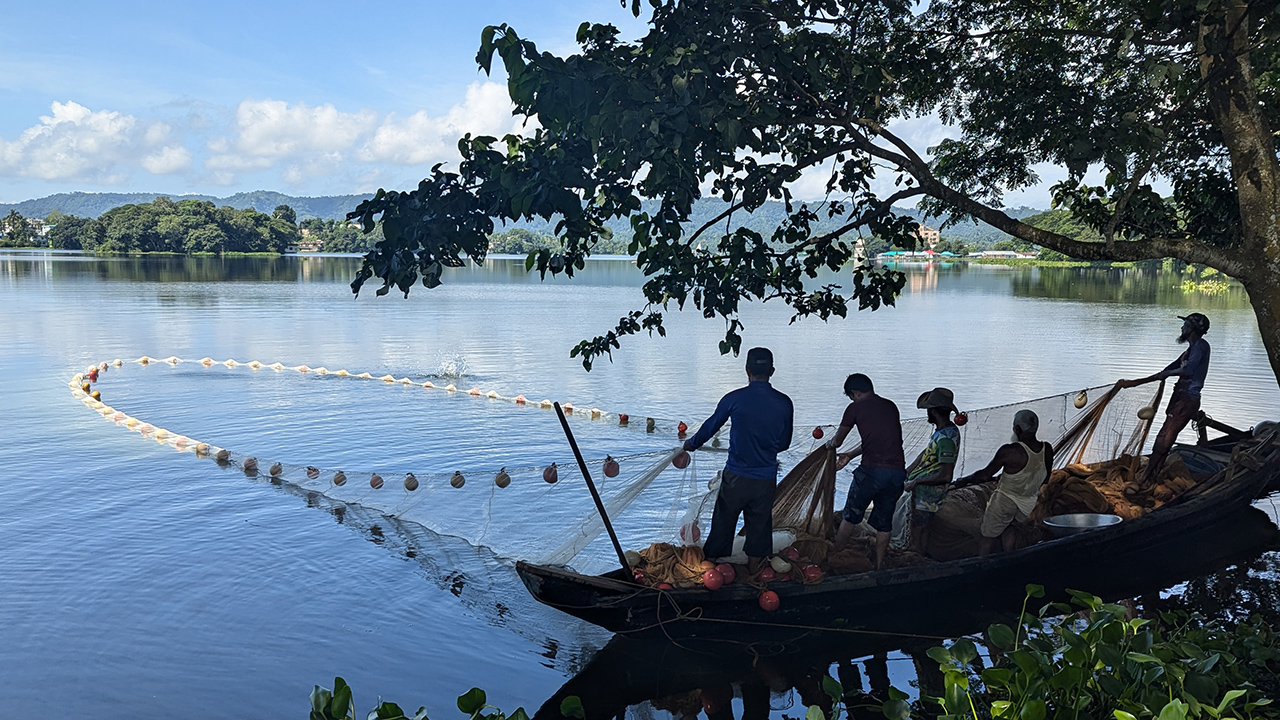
(196, 226)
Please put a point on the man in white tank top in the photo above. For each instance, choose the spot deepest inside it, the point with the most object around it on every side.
(1024, 466)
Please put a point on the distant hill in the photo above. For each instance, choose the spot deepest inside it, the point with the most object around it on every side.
(335, 207)
(92, 205)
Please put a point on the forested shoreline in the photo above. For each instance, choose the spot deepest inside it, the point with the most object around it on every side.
(192, 226)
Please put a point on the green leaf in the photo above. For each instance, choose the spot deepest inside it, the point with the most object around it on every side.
(1174, 710)
(1035, 591)
(1001, 636)
(832, 688)
(896, 694)
(814, 713)
(1142, 658)
(519, 714)
(340, 706)
(571, 707)
(964, 651)
(1230, 697)
(996, 676)
(939, 654)
(471, 701)
(1122, 715)
(1033, 710)
(893, 710)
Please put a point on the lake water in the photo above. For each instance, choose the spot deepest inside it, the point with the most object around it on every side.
(144, 583)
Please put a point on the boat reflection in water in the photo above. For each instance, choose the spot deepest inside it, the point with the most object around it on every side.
(688, 676)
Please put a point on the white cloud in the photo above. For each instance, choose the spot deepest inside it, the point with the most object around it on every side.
(76, 144)
(73, 142)
(167, 160)
(268, 131)
(420, 139)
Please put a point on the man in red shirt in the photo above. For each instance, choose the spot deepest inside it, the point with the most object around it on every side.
(879, 477)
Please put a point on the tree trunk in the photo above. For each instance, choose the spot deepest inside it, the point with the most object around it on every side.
(1264, 295)
(1255, 168)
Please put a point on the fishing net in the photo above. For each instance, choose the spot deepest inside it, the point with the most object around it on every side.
(512, 511)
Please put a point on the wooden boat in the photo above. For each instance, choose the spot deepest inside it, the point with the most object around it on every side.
(630, 670)
(1100, 561)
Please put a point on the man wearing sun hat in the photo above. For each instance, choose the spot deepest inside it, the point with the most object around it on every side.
(1191, 367)
(929, 475)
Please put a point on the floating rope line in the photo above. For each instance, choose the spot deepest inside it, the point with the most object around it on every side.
(417, 496)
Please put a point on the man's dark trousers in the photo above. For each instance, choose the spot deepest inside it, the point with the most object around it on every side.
(753, 499)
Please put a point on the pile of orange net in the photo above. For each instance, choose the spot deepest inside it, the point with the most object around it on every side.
(1112, 487)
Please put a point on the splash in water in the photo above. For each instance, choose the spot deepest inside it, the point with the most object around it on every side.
(451, 366)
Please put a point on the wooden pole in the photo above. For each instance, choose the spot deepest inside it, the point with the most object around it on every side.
(595, 494)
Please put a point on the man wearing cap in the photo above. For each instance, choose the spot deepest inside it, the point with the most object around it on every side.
(878, 479)
(761, 429)
(1191, 367)
(929, 475)
(1024, 466)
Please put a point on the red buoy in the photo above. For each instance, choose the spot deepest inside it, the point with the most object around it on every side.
(712, 579)
(817, 433)
(691, 533)
(375, 481)
(551, 474)
(769, 601)
(611, 467)
(623, 419)
(962, 418)
(727, 572)
(812, 573)
(790, 554)
(681, 429)
(681, 461)
(767, 575)
(638, 574)
(666, 586)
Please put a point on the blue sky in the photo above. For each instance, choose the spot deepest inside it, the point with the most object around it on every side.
(305, 98)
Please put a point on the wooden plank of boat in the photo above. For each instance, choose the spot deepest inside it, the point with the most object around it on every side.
(1096, 561)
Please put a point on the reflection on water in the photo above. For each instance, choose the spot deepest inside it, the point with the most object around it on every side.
(1133, 285)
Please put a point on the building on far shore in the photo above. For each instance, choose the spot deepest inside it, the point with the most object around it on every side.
(928, 236)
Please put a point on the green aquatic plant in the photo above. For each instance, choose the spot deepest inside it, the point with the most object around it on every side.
(338, 704)
(1090, 660)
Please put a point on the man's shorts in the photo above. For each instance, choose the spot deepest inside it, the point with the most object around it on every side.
(878, 487)
(1001, 512)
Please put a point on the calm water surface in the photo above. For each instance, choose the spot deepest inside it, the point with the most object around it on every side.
(142, 583)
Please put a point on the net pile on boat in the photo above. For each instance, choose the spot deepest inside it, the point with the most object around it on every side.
(517, 515)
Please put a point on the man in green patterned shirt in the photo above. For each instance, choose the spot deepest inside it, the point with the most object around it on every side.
(929, 475)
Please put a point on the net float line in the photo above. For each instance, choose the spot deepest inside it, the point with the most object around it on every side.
(306, 475)
(482, 508)
(650, 424)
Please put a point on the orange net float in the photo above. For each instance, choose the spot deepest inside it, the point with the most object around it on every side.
(313, 472)
(410, 482)
(250, 465)
(681, 460)
(682, 429)
(457, 480)
(502, 479)
(551, 474)
(375, 481)
(611, 467)
(339, 478)
(275, 469)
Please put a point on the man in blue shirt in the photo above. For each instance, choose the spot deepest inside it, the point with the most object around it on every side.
(1191, 367)
(761, 429)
